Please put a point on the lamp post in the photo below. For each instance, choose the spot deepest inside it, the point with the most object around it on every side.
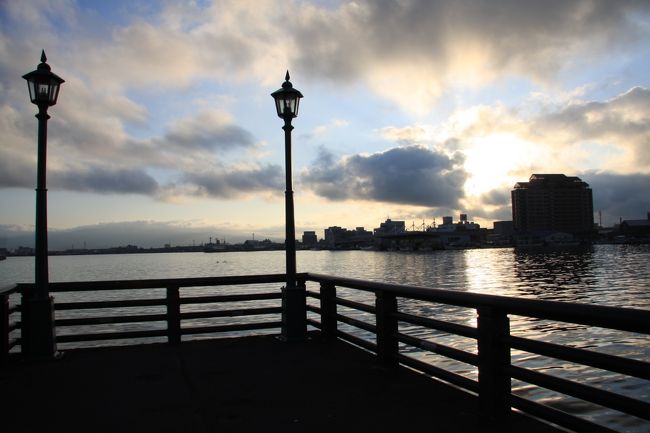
(287, 100)
(38, 314)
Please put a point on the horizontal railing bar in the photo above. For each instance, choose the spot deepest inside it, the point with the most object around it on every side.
(624, 319)
(13, 342)
(230, 328)
(618, 364)
(312, 294)
(111, 319)
(71, 338)
(357, 323)
(314, 323)
(346, 336)
(440, 373)
(440, 349)
(230, 298)
(313, 309)
(75, 286)
(452, 328)
(355, 305)
(230, 313)
(558, 417)
(604, 398)
(108, 304)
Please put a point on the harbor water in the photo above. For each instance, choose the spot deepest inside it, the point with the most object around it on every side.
(612, 275)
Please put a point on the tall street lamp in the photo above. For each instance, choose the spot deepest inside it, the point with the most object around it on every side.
(287, 100)
(38, 311)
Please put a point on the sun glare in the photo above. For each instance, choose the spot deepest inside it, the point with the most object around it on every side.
(491, 160)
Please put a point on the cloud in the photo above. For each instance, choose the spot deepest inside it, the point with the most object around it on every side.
(407, 175)
(622, 121)
(230, 183)
(103, 180)
(407, 135)
(208, 130)
(412, 51)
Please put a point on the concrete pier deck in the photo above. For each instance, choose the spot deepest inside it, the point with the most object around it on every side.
(252, 384)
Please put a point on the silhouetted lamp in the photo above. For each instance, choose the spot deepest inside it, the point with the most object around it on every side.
(287, 100)
(38, 333)
(43, 84)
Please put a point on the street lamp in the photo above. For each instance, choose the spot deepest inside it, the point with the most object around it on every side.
(287, 100)
(38, 309)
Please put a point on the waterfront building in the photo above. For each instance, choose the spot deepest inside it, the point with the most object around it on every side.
(333, 234)
(390, 227)
(636, 229)
(339, 237)
(464, 233)
(309, 239)
(552, 203)
(502, 233)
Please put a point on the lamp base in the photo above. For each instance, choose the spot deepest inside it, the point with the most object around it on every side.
(38, 334)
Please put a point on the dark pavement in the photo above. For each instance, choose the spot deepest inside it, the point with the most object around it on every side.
(253, 384)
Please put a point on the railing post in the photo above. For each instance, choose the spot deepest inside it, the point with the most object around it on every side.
(4, 327)
(494, 359)
(173, 315)
(387, 344)
(328, 309)
(294, 312)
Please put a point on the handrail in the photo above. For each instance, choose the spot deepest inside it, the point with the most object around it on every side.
(160, 283)
(623, 319)
(93, 310)
(494, 344)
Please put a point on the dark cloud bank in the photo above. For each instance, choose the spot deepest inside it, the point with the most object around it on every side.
(619, 196)
(405, 175)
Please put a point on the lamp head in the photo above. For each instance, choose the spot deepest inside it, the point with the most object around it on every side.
(43, 84)
(287, 99)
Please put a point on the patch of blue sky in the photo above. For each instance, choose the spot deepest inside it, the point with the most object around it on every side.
(121, 12)
(610, 75)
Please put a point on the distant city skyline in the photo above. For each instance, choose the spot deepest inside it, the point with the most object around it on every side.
(165, 130)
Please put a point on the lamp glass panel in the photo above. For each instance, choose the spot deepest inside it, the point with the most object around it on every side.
(32, 90)
(54, 91)
(278, 106)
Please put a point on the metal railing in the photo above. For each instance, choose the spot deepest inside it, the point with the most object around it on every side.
(494, 345)
(383, 319)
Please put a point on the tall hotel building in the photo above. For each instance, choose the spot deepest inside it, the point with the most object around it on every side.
(552, 202)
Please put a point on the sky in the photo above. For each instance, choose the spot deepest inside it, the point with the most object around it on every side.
(165, 130)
